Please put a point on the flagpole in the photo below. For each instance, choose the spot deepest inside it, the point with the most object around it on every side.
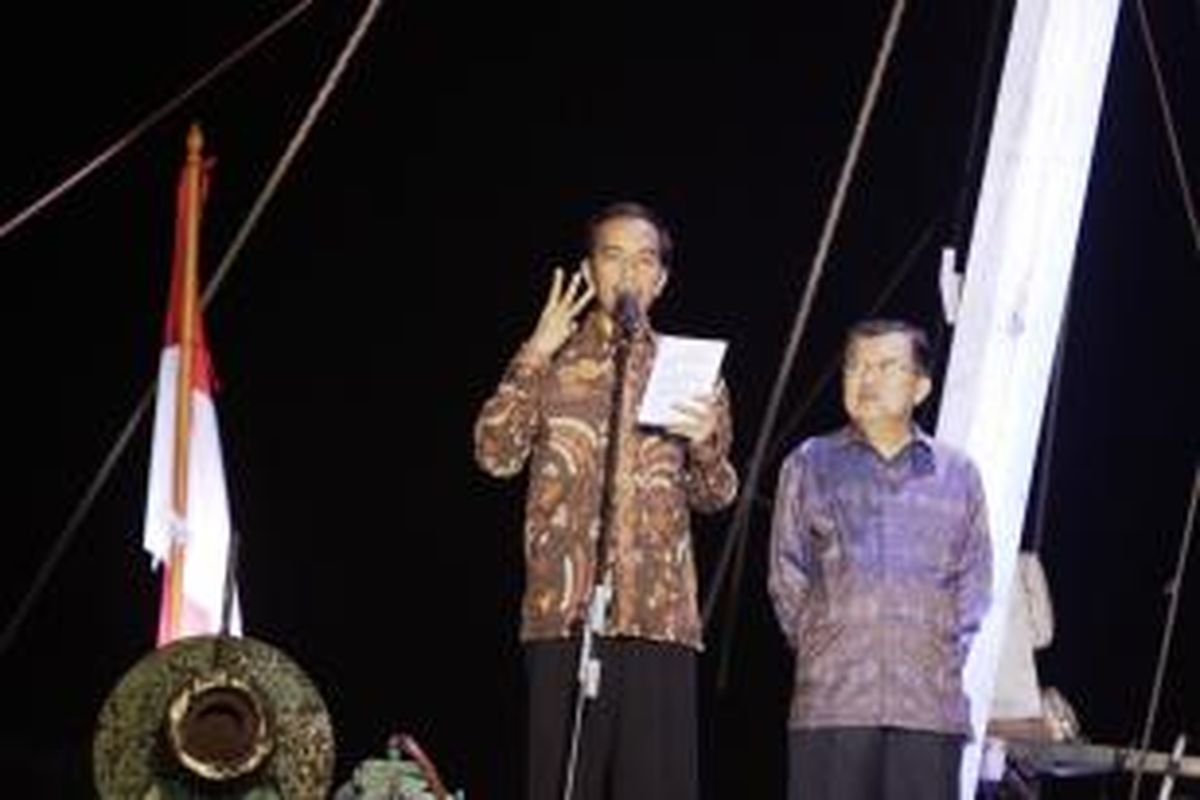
(188, 295)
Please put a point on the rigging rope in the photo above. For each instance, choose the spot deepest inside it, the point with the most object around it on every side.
(1175, 587)
(1164, 105)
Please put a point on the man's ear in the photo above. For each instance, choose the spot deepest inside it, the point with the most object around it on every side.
(663, 275)
(923, 389)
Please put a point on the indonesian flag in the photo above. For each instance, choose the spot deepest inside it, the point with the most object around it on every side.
(187, 511)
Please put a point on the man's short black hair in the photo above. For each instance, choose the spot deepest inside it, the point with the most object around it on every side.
(627, 209)
(917, 339)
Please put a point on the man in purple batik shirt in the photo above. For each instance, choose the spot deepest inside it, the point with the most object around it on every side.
(880, 574)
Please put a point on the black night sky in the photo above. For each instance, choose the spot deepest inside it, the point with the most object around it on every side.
(404, 258)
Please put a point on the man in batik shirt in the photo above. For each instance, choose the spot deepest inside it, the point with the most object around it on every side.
(551, 412)
(880, 572)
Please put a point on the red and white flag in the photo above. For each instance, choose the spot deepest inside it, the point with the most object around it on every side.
(187, 527)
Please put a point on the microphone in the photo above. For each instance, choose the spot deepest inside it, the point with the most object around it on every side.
(629, 314)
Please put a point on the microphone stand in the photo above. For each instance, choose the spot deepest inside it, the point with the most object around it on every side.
(594, 623)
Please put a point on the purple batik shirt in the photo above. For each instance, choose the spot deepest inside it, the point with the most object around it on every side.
(880, 574)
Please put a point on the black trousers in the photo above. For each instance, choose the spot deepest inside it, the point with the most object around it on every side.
(638, 739)
(873, 764)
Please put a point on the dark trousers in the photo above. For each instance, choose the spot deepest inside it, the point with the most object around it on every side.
(638, 738)
(872, 764)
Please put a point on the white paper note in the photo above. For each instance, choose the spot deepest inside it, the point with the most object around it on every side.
(684, 368)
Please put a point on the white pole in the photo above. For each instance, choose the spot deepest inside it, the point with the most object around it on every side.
(1022, 248)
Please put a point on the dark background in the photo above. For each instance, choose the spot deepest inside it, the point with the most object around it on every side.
(405, 257)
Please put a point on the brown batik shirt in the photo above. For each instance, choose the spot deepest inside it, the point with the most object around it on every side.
(555, 417)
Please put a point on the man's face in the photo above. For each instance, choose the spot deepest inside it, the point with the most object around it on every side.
(626, 257)
(880, 381)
